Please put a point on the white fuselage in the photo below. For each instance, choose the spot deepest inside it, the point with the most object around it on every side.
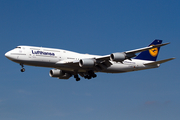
(57, 58)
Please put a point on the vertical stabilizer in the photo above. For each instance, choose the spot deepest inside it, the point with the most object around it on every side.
(151, 54)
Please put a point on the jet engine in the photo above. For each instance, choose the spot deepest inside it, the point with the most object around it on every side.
(119, 57)
(59, 74)
(87, 63)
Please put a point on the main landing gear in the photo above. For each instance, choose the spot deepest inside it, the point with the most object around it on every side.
(77, 77)
(89, 75)
(22, 69)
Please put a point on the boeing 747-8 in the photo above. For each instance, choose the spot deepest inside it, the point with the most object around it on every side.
(66, 64)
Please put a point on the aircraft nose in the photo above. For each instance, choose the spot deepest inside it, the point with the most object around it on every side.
(7, 54)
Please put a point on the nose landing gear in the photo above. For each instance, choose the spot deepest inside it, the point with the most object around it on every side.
(22, 69)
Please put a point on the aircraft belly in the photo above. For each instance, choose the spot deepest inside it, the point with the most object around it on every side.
(119, 68)
(51, 63)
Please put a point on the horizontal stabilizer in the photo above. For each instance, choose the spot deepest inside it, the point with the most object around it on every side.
(159, 62)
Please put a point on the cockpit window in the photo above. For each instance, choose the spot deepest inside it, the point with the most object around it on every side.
(18, 47)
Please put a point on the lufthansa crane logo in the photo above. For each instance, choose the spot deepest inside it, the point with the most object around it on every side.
(153, 51)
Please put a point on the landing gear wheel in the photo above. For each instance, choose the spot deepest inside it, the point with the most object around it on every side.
(87, 77)
(77, 77)
(94, 75)
(90, 75)
(22, 70)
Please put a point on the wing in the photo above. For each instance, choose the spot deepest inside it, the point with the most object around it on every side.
(145, 48)
(99, 63)
(129, 54)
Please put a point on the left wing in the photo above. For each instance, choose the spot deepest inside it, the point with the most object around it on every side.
(121, 56)
(102, 62)
(145, 48)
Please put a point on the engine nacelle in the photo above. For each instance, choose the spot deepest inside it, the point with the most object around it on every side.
(87, 63)
(59, 74)
(118, 57)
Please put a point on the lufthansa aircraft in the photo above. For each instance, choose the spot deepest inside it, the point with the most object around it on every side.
(67, 63)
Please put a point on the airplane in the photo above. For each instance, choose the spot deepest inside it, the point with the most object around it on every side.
(66, 63)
